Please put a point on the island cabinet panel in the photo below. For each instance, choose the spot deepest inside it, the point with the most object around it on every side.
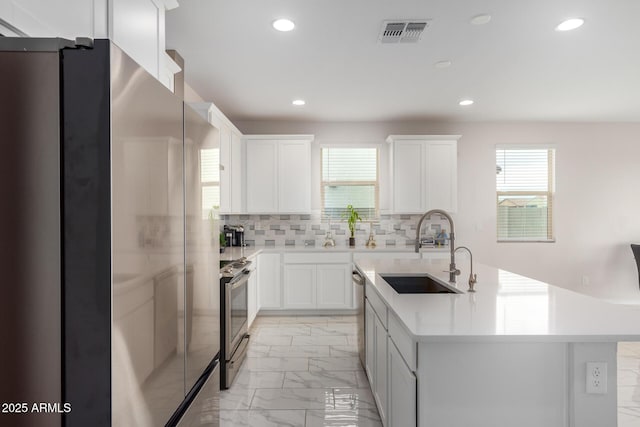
(497, 384)
(402, 410)
(381, 381)
(370, 341)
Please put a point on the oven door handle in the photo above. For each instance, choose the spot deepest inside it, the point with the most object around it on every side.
(236, 284)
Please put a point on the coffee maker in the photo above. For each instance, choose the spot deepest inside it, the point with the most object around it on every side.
(234, 234)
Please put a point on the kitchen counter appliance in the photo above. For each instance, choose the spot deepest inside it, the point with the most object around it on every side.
(234, 279)
(234, 235)
(359, 285)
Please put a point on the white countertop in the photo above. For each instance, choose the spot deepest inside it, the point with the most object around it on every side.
(507, 307)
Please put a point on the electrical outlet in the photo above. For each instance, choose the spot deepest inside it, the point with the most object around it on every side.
(596, 378)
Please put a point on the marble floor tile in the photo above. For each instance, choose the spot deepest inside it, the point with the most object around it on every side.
(312, 398)
(269, 340)
(236, 398)
(274, 320)
(289, 330)
(253, 379)
(363, 380)
(334, 364)
(334, 329)
(344, 351)
(276, 364)
(299, 351)
(353, 398)
(352, 340)
(334, 418)
(319, 340)
(320, 379)
(257, 350)
(342, 319)
(262, 418)
(318, 320)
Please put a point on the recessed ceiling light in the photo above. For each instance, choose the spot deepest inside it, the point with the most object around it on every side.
(570, 24)
(466, 102)
(480, 19)
(283, 24)
(442, 64)
(298, 102)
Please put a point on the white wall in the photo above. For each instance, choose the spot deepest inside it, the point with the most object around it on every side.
(596, 205)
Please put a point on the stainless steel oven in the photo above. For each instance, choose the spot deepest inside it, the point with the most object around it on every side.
(234, 297)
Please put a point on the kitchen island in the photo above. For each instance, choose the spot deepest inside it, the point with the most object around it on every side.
(513, 353)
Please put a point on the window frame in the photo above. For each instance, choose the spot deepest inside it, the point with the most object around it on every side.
(375, 183)
(207, 184)
(549, 193)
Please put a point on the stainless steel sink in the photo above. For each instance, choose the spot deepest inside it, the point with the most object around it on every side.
(418, 284)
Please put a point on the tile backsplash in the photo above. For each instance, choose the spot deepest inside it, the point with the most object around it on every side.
(310, 230)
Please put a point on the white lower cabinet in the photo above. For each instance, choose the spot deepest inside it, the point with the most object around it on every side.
(300, 286)
(402, 391)
(369, 342)
(318, 281)
(333, 286)
(380, 388)
(269, 281)
(392, 382)
(252, 298)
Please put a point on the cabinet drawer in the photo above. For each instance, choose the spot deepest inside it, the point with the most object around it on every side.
(403, 341)
(317, 258)
(377, 304)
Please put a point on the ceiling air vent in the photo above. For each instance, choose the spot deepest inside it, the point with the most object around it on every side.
(402, 31)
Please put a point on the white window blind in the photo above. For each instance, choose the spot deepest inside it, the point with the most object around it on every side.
(524, 184)
(210, 179)
(350, 177)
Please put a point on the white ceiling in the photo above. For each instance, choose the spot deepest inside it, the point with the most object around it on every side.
(516, 67)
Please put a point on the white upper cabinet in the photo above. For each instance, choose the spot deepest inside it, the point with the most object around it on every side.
(424, 172)
(136, 26)
(278, 173)
(230, 157)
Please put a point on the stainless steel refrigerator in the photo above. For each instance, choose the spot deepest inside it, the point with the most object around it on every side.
(109, 256)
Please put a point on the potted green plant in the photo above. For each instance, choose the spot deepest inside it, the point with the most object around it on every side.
(352, 217)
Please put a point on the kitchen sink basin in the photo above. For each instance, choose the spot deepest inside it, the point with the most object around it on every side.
(417, 284)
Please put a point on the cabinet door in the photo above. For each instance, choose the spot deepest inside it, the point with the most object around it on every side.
(294, 176)
(236, 172)
(225, 168)
(300, 286)
(408, 178)
(442, 175)
(262, 176)
(252, 298)
(380, 389)
(370, 343)
(334, 286)
(402, 391)
(269, 281)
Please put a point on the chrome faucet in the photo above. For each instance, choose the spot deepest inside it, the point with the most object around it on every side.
(453, 271)
(473, 278)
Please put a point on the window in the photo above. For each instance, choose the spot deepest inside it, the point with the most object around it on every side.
(210, 179)
(525, 186)
(349, 177)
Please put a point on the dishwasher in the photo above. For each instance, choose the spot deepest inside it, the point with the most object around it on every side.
(358, 283)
